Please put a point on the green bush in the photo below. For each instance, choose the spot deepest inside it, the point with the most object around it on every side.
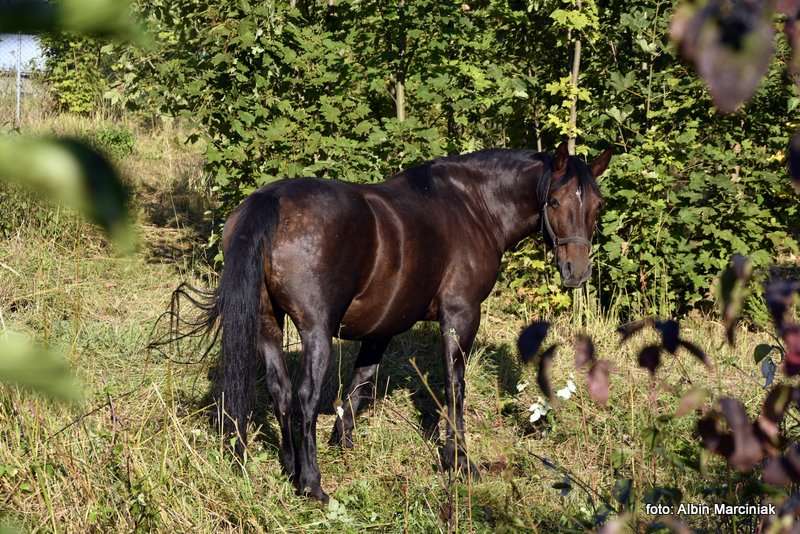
(76, 72)
(278, 92)
(117, 142)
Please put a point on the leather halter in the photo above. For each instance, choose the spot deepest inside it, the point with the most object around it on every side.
(547, 227)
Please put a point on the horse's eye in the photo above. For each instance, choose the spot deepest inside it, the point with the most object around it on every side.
(553, 203)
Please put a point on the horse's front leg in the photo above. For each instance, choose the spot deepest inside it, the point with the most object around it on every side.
(459, 323)
(360, 390)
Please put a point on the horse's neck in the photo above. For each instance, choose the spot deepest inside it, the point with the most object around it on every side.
(512, 206)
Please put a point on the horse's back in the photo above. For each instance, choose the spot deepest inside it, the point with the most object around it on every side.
(371, 257)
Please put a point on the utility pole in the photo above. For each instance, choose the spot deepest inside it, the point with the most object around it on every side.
(19, 80)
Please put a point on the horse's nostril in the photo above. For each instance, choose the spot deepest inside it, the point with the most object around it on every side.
(569, 268)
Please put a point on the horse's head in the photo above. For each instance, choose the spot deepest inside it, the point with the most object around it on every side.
(571, 205)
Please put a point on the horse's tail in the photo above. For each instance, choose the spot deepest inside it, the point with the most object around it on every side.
(239, 306)
(182, 328)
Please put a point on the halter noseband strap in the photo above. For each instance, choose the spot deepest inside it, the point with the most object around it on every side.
(557, 241)
(562, 240)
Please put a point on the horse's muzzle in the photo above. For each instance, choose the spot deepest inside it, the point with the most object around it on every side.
(576, 281)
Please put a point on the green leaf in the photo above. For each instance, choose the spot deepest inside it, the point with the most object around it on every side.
(112, 18)
(25, 365)
(762, 351)
(247, 117)
(71, 172)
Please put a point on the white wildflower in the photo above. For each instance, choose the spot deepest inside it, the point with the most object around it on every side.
(567, 391)
(538, 409)
(521, 386)
(340, 412)
(536, 415)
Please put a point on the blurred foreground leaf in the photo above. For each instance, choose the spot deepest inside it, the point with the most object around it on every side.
(103, 18)
(25, 365)
(730, 43)
(530, 340)
(793, 160)
(73, 173)
(732, 291)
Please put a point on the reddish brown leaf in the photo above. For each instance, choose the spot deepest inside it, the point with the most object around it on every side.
(742, 267)
(690, 402)
(784, 470)
(629, 329)
(772, 412)
(695, 351)
(670, 334)
(598, 381)
(791, 341)
(794, 145)
(779, 296)
(747, 450)
(790, 8)
(650, 358)
(683, 25)
(543, 371)
(730, 44)
(584, 352)
(713, 439)
(531, 339)
(733, 277)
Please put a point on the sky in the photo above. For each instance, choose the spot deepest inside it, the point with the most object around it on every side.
(31, 51)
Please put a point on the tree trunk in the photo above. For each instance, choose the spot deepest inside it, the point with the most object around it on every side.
(573, 110)
(400, 99)
(400, 75)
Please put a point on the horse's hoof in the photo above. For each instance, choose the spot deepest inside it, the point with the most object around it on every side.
(469, 470)
(338, 440)
(459, 463)
(315, 493)
(466, 469)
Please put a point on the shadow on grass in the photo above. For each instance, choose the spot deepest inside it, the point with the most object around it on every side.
(178, 214)
(421, 347)
(505, 364)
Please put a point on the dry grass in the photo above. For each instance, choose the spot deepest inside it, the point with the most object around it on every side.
(138, 454)
(34, 102)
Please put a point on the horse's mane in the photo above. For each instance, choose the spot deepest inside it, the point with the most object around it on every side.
(497, 161)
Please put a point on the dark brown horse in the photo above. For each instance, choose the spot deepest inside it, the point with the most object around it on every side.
(366, 262)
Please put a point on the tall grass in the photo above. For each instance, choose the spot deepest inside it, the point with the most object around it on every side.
(139, 453)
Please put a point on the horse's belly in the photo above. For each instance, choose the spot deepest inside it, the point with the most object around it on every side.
(383, 315)
(403, 278)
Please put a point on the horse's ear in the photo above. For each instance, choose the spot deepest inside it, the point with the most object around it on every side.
(562, 155)
(600, 164)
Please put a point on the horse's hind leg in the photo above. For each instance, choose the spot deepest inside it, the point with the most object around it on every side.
(361, 389)
(279, 384)
(316, 358)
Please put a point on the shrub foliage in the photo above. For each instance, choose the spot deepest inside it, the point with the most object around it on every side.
(357, 90)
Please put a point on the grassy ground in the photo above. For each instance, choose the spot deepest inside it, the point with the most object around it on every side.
(138, 454)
